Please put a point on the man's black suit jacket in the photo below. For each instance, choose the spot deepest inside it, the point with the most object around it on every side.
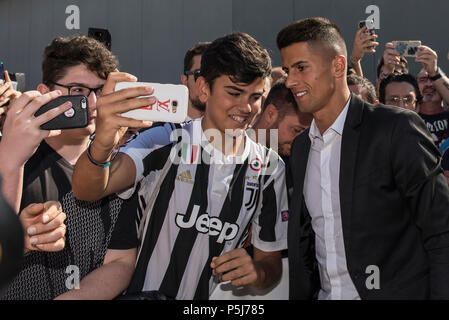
(394, 207)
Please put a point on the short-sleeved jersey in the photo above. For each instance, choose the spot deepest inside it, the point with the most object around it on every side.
(195, 204)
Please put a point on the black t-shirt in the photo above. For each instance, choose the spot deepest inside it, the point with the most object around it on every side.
(438, 125)
(90, 227)
(11, 242)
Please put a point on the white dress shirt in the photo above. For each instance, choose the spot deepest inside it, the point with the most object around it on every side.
(322, 196)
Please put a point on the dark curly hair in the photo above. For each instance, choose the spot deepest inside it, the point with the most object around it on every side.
(237, 55)
(65, 52)
(404, 77)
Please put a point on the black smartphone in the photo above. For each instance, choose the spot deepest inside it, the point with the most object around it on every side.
(2, 73)
(370, 27)
(76, 117)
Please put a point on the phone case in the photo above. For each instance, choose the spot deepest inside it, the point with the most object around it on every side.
(2, 73)
(171, 105)
(407, 48)
(76, 117)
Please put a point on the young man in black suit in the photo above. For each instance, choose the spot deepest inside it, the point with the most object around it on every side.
(370, 207)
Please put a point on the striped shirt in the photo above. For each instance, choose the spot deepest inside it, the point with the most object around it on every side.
(195, 204)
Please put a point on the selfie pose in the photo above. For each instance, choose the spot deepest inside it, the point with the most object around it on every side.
(199, 188)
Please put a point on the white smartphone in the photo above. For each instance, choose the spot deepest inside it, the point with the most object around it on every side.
(407, 48)
(171, 105)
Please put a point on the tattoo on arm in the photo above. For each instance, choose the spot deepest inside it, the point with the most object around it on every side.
(446, 84)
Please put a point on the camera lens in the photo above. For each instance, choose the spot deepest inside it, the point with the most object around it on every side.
(175, 103)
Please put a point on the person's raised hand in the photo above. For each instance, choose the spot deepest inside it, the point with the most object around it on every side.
(21, 131)
(110, 124)
(391, 57)
(428, 59)
(363, 43)
(7, 93)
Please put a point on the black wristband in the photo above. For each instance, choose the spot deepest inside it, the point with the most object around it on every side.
(106, 164)
(437, 76)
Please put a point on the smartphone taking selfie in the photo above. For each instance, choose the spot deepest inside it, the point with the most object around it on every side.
(76, 117)
(171, 104)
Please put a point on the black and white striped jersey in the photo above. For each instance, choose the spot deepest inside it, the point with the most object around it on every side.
(195, 203)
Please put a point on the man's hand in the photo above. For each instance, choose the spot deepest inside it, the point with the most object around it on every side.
(7, 93)
(236, 266)
(110, 125)
(363, 43)
(428, 59)
(44, 226)
(391, 58)
(21, 132)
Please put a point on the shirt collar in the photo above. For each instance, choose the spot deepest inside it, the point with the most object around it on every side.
(337, 126)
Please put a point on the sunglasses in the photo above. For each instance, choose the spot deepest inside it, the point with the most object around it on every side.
(196, 73)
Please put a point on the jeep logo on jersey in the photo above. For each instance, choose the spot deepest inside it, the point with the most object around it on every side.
(206, 224)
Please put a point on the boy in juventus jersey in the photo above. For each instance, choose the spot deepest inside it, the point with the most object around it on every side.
(200, 186)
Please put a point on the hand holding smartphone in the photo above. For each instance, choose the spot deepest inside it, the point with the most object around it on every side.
(370, 27)
(76, 117)
(171, 104)
(407, 48)
(2, 73)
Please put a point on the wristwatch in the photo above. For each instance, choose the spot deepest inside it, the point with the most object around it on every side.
(439, 74)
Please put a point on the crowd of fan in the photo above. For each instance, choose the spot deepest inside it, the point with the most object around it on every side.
(37, 165)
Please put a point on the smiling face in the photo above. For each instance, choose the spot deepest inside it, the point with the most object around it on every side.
(230, 105)
(309, 76)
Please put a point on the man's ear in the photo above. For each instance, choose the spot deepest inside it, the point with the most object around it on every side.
(203, 89)
(271, 114)
(339, 66)
(184, 79)
(43, 89)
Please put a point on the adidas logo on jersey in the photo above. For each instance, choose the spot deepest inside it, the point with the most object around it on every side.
(185, 176)
(206, 224)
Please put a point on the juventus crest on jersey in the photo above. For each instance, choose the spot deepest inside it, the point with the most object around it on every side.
(195, 203)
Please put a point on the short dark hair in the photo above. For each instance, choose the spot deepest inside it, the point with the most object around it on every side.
(237, 55)
(282, 98)
(197, 49)
(404, 77)
(65, 52)
(355, 79)
(403, 62)
(316, 30)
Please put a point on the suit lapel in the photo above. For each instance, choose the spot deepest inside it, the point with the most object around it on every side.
(349, 149)
(298, 165)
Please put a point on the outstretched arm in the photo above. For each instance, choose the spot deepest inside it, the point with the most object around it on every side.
(91, 182)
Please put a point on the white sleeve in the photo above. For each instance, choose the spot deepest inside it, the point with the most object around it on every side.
(140, 146)
(270, 224)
